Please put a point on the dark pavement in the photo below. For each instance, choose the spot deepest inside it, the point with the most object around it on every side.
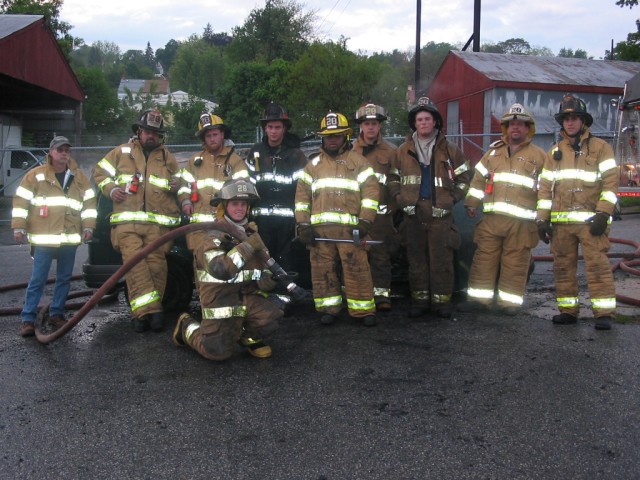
(472, 397)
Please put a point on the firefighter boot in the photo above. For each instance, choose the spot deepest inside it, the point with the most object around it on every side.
(418, 310)
(255, 346)
(141, 324)
(327, 319)
(564, 319)
(157, 322)
(183, 322)
(603, 323)
(370, 320)
(443, 310)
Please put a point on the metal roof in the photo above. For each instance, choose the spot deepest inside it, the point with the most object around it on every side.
(550, 70)
(10, 24)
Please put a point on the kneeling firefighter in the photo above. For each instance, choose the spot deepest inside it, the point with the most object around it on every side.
(233, 282)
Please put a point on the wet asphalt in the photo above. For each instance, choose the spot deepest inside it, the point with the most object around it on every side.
(471, 397)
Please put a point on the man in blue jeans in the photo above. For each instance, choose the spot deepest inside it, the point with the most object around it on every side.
(54, 210)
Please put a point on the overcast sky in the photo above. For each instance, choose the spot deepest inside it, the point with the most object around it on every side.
(371, 25)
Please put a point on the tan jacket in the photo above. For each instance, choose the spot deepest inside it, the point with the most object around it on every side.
(153, 202)
(380, 157)
(450, 175)
(337, 191)
(574, 185)
(505, 183)
(208, 178)
(50, 215)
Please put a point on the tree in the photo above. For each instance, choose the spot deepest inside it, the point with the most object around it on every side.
(627, 3)
(149, 57)
(247, 88)
(279, 30)
(569, 53)
(329, 77)
(198, 68)
(134, 65)
(629, 50)
(166, 55)
(101, 106)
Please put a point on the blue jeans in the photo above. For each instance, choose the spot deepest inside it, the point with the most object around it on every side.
(42, 258)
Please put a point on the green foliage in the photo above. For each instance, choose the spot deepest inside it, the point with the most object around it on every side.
(167, 54)
(183, 119)
(279, 30)
(569, 53)
(134, 64)
(629, 50)
(247, 89)
(101, 106)
(329, 77)
(198, 68)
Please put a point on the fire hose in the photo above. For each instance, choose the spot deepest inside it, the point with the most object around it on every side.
(625, 263)
(297, 293)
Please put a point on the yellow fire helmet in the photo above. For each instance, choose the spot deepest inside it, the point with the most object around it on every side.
(209, 121)
(518, 112)
(334, 123)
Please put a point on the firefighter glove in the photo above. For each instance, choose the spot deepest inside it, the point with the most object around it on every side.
(599, 223)
(250, 246)
(363, 227)
(306, 234)
(267, 282)
(544, 230)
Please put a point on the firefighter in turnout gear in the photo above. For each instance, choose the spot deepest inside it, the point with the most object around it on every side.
(506, 185)
(428, 177)
(275, 165)
(233, 285)
(380, 155)
(336, 201)
(54, 209)
(578, 193)
(206, 172)
(141, 178)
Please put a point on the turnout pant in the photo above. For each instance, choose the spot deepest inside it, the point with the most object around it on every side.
(328, 259)
(503, 253)
(564, 246)
(147, 280)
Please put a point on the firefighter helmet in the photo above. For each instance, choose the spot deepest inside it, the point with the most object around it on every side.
(236, 189)
(334, 123)
(425, 105)
(370, 111)
(209, 121)
(275, 112)
(571, 105)
(151, 120)
(518, 112)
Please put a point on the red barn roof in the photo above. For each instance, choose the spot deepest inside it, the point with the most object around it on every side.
(33, 69)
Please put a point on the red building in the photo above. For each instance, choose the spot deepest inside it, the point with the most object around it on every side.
(472, 91)
(41, 95)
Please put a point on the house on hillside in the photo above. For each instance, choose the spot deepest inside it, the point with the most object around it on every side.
(472, 90)
(160, 91)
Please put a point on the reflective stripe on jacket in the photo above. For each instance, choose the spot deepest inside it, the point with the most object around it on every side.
(450, 175)
(338, 190)
(153, 202)
(579, 183)
(50, 215)
(513, 180)
(380, 156)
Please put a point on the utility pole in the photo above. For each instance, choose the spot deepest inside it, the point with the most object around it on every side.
(416, 77)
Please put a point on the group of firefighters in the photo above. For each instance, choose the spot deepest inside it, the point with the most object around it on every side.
(350, 205)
